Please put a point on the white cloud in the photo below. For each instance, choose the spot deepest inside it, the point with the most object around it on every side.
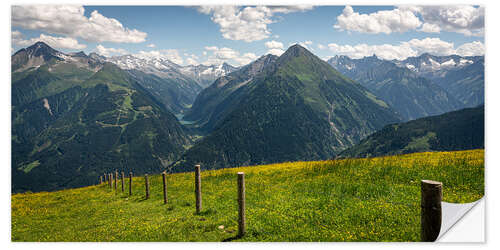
(384, 51)
(464, 19)
(249, 23)
(307, 45)
(52, 41)
(220, 55)
(385, 21)
(276, 52)
(210, 48)
(69, 20)
(434, 46)
(321, 46)
(414, 47)
(275, 48)
(192, 59)
(169, 54)
(274, 45)
(430, 28)
(246, 58)
(475, 48)
(152, 45)
(101, 50)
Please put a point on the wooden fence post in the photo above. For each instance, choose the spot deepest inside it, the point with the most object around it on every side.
(100, 180)
(123, 180)
(105, 177)
(110, 180)
(164, 176)
(431, 214)
(241, 204)
(130, 184)
(197, 187)
(147, 185)
(116, 178)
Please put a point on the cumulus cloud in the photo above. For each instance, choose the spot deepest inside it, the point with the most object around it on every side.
(307, 45)
(434, 46)
(385, 21)
(384, 51)
(101, 50)
(464, 19)
(430, 28)
(414, 47)
(249, 23)
(69, 20)
(152, 45)
(219, 55)
(321, 46)
(52, 41)
(275, 48)
(475, 48)
(274, 45)
(277, 52)
(191, 59)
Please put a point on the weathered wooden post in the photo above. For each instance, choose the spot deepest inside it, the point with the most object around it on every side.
(123, 181)
(431, 214)
(109, 181)
(197, 187)
(100, 180)
(105, 177)
(116, 178)
(130, 184)
(241, 204)
(146, 181)
(164, 176)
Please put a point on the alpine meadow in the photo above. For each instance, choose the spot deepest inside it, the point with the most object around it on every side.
(245, 123)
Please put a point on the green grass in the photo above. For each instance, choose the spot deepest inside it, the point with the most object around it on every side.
(373, 199)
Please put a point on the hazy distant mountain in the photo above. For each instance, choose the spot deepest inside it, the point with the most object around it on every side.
(410, 95)
(432, 66)
(463, 77)
(74, 118)
(206, 75)
(457, 130)
(297, 108)
(466, 83)
(175, 85)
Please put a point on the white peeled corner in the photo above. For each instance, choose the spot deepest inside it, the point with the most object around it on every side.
(462, 222)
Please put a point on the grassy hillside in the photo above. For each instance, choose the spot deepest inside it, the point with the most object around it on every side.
(375, 199)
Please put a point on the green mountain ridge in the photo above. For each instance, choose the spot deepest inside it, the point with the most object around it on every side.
(297, 108)
(68, 130)
(457, 130)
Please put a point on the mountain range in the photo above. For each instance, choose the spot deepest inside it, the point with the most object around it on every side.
(174, 85)
(76, 116)
(462, 77)
(293, 107)
(411, 94)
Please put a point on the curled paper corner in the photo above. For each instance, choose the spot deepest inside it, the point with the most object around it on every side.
(452, 213)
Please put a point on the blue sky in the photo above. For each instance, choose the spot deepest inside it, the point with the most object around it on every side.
(239, 34)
